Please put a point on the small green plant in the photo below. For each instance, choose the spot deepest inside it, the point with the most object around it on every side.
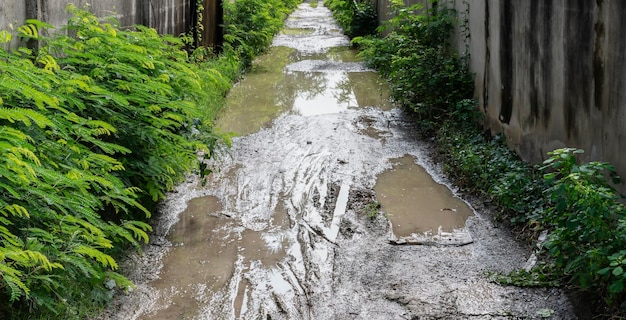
(615, 273)
(586, 221)
(541, 276)
(371, 209)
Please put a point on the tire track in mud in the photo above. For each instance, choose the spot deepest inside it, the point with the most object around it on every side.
(286, 213)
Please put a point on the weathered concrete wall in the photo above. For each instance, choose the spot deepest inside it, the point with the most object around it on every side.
(11, 11)
(166, 16)
(551, 74)
(11, 14)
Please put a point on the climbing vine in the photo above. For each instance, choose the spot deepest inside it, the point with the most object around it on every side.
(198, 28)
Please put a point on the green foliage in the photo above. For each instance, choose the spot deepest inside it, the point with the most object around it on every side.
(587, 222)
(575, 203)
(426, 72)
(371, 209)
(357, 18)
(94, 129)
(541, 276)
(250, 25)
(491, 169)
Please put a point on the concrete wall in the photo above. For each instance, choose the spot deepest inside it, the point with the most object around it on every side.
(12, 14)
(166, 16)
(551, 74)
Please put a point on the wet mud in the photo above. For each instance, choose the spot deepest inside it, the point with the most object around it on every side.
(288, 226)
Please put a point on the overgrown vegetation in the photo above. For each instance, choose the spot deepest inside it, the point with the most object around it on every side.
(252, 24)
(356, 18)
(95, 128)
(427, 74)
(572, 203)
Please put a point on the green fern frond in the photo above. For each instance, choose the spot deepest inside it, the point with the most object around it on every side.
(49, 63)
(79, 262)
(14, 136)
(39, 98)
(28, 31)
(176, 117)
(154, 108)
(138, 228)
(14, 210)
(25, 116)
(27, 154)
(5, 36)
(104, 259)
(23, 170)
(10, 189)
(11, 277)
(7, 236)
(15, 256)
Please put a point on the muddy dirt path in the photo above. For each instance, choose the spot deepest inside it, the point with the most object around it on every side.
(304, 216)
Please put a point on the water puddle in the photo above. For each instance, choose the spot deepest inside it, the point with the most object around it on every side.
(288, 81)
(206, 251)
(415, 203)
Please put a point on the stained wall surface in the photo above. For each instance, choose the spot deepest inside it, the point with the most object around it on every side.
(550, 74)
(166, 16)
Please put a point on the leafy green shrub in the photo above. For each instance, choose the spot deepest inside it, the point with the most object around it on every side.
(357, 18)
(587, 223)
(491, 169)
(93, 128)
(426, 72)
(250, 25)
(58, 172)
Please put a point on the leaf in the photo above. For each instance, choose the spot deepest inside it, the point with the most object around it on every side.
(139, 229)
(28, 31)
(618, 271)
(617, 286)
(5, 36)
(104, 259)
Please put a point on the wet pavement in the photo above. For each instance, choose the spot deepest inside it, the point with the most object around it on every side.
(304, 216)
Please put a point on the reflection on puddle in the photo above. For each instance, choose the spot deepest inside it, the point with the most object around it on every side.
(415, 203)
(309, 88)
(331, 99)
(205, 252)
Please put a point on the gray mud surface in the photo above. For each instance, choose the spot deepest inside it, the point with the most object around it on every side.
(284, 228)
